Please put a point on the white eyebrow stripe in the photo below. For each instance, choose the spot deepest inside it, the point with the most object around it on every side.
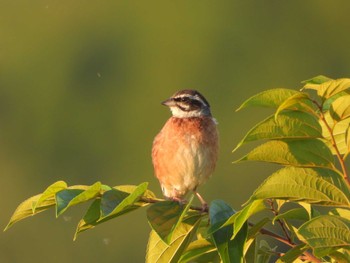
(195, 97)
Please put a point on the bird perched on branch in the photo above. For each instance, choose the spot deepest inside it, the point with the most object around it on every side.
(185, 151)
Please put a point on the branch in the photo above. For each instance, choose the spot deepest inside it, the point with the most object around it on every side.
(263, 231)
(334, 144)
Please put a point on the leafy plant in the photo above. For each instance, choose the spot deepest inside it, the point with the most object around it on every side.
(308, 198)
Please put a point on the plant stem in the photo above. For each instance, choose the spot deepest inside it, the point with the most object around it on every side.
(263, 231)
(334, 144)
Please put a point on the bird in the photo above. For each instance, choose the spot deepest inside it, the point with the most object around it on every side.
(185, 151)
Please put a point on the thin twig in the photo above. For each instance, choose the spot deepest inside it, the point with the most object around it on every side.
(280, 222)
(263, 231)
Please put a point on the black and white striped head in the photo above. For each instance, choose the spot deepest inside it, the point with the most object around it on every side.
(187, 104)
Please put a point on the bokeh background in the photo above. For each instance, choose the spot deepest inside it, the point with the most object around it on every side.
(80, 89)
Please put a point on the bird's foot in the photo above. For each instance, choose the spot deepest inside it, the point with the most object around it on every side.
(205, 207)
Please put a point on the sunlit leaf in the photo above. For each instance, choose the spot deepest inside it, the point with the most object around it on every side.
(302, 153)
(298, 102)
(50, 193)
(165, 217)
(200, 251)
(269, 98)
(25, 209)
(341, 256)
(239, 218)
(115, 202)
(292, 254)
(339, 133)
(69, 197)
(330, 88)
(287, 125)
(340, 212)
(325, 234)
(315, 81)
(296, 214)
(340, 108)
(159, 252)
(317, 186)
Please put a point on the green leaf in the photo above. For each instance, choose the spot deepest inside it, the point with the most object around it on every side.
(159, 252)
(341, 256)
(316, 80)
(339, 133)
(253, 233)
(200, 251)
(287, 125)
(330, 88)
(269, 98)
(298, 102)
(50, 193)
(90, 218)
(115, 202)
(239, 218)
(302, 153)
(219, 213)
(25, 209)
(229, 250)
(69, 197)
(317, 186)
(296, 214)
(340, 212)
(293, 253)
(340, 108)
(165, 217)
(325, 234)
(264, 252)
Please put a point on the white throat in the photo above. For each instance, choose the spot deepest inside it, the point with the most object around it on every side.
(178, 113)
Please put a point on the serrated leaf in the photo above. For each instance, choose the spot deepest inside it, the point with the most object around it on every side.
(287, 125)
(295, 214)
(301, 153)
(330, 88)
(69, 197)
(340, 108)
(312, 185)
(293, 253)
(165, 217)
(200, 251)
(50, 193)
(269, 98)
(25, 209)
(325, 233)
(159, 252)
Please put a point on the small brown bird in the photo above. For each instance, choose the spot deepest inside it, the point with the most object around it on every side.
(185, 151)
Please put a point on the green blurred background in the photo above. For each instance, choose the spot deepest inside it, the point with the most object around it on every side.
(80, 89)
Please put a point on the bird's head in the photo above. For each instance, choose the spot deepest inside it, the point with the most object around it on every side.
(187, 104)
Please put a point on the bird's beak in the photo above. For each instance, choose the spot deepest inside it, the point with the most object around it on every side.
(169, 102)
